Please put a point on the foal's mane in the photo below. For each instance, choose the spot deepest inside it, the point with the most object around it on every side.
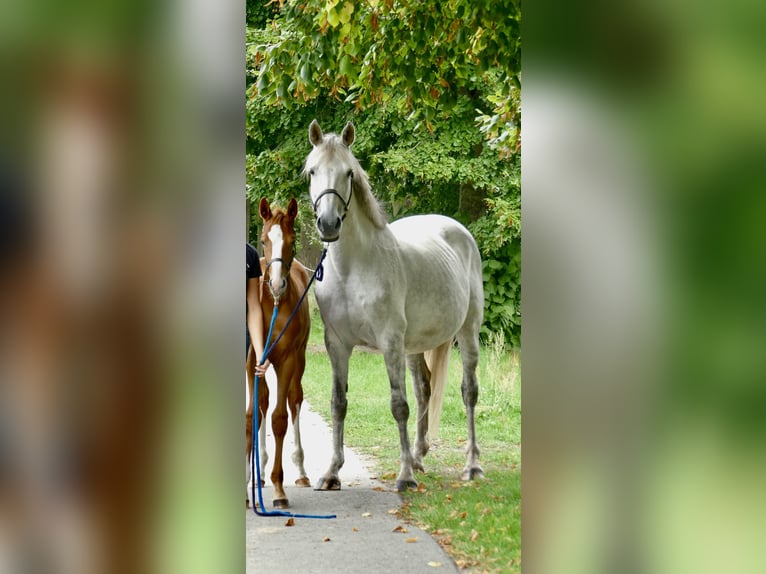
(332, 146)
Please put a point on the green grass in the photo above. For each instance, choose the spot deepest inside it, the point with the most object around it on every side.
(478, 523)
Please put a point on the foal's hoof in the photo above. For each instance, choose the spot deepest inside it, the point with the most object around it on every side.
(303, 482)
(403, 485)
(280, 503)
(472, 473)
(332, 483)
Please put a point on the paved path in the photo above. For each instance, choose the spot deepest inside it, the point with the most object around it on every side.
(361, 540)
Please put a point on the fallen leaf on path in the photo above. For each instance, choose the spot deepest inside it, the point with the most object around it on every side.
(379, 489)
(411, 540)
(435, 564)
(290, 522)
(394, 511)
(366, 514)
(326, 539)
(400, 528)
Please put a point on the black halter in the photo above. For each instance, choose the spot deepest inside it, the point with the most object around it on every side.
(333, 191)
(286, 274)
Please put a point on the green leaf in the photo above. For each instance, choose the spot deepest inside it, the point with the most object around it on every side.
(333, 18)
(346, 11)
(345, 67)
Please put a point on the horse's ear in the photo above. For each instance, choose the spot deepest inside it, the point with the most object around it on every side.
(315, 133)
(347, 135)
(264, 209)
(292, 208)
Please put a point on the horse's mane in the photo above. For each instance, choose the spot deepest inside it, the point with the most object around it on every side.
(333, 145)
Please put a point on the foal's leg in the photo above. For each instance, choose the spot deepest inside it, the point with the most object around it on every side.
(248, 430)
(263, 409)
(339, 356)
(294, 402)
(279, 428)
(468, 339)
(394, 357)
(421, 382)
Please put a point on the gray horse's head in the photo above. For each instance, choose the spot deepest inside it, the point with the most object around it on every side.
(330, 167)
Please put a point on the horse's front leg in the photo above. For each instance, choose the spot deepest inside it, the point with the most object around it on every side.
(279, 428)
(339, 356)
(395, 361)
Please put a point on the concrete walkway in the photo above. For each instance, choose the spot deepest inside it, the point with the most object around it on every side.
(366, 537)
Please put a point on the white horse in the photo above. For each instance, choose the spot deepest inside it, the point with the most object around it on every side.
(408, 289)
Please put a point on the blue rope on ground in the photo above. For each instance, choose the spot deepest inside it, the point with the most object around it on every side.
(255, 461)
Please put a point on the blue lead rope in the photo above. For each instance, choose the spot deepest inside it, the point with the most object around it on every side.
(255, 461)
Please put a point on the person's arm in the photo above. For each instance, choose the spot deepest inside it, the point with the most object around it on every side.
(255, 323)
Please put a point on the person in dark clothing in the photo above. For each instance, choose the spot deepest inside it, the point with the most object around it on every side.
(254, 330)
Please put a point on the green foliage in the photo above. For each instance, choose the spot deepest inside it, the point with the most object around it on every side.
(433, 90)
(498, 234)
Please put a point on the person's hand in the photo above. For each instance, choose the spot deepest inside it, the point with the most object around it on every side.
(261, 369)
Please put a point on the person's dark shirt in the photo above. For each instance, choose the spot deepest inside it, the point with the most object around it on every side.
(253, 262)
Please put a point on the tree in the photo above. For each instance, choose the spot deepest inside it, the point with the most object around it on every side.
(433, 88)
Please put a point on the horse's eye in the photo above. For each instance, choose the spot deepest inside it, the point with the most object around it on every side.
(350, 173)
(311, 171)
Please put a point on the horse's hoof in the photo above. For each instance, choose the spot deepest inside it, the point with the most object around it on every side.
(303, 482)
(280, 503)
(332, 483)
(402, 485)
(472, 473)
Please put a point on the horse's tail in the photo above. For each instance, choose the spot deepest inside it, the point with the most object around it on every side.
(437, 361)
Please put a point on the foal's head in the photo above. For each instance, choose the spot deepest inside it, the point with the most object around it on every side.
(278, 239)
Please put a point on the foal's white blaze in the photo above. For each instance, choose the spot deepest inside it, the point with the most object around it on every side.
(275, 271)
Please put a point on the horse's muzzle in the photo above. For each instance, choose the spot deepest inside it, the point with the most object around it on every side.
(277, 292)
(329, 232)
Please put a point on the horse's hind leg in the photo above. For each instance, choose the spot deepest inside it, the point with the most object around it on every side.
(294, 402)
(468, 339)
(394, 357)
(263, 409)
(421, 382)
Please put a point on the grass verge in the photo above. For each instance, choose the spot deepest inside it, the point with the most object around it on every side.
(478, 523)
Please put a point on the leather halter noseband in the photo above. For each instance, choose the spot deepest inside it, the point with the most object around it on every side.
(286, 274)
(333, 191)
